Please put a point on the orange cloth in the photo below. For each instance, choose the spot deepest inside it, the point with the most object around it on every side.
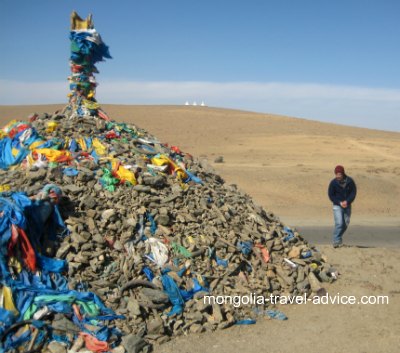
(264, 252)
(93, 344)
(54, 155)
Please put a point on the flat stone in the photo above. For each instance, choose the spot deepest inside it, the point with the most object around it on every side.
(196, 328)
(202, 305)
(37, 175)
(63, 324)
(73, 189)
(171, 198)
(56, 347)
(155, 295)
(133, 343)
(163, 219)
(91, 224)
(107, 214)
(155, 181)
(80, 238)
(217, 313)
(89, 202)
(133, 307)
(294, 252)
(142, 188)
(119, 349)
(155, 326)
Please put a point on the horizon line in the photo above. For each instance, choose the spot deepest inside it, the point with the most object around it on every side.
(376, 108)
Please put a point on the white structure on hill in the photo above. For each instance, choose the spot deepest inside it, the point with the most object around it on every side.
(195, 104)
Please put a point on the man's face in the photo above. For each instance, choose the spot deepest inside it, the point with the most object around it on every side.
(339, 176)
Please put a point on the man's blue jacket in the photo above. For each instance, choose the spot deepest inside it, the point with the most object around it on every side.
(337, 193)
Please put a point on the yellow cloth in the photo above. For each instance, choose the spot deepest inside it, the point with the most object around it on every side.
(51, 126)
(35, 144)
(123, 173)
(91, 105)
(15, 151)
(163, 160)
(100, 149)
(160, 160)
(13, 262)
(78, 23)
(30, 160)
(9, 126)
(52, 155)
(8, 301)
(82, 143)
(5, 187)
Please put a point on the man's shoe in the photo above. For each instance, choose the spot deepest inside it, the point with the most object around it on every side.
(340, 245)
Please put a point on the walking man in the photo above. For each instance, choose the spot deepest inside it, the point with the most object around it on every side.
(342, 192)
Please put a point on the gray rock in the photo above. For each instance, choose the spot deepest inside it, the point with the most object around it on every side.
(133, 307)
(155, 295)
(155, 326)
(170, 198)
(73, 189)
(80, 238)
(142, 188)
(89, 202)
(217, 313)
(119, 349)
(56, 347)
(163, 219)
(155, 181)
(133, 343)
(63, 324)
(38, 175)
(107, 214)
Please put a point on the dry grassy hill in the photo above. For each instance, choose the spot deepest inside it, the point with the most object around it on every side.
(284, 163)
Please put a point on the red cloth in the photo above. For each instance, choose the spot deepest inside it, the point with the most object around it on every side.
(76, 68)
(17, 129)
(33, 117)
(93, 344)
(264, 252)
(176, 149)
(18, 236)
(111, 135)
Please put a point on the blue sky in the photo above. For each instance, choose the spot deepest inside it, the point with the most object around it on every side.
(326, 60)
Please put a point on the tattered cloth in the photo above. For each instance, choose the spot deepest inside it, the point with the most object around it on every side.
(34, 283)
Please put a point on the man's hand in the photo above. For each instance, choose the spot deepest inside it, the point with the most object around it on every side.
(343, 204)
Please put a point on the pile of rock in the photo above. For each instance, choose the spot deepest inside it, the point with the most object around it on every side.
(152, 230)
(204, 236)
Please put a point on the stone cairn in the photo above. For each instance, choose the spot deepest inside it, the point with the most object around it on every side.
(151, 229)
